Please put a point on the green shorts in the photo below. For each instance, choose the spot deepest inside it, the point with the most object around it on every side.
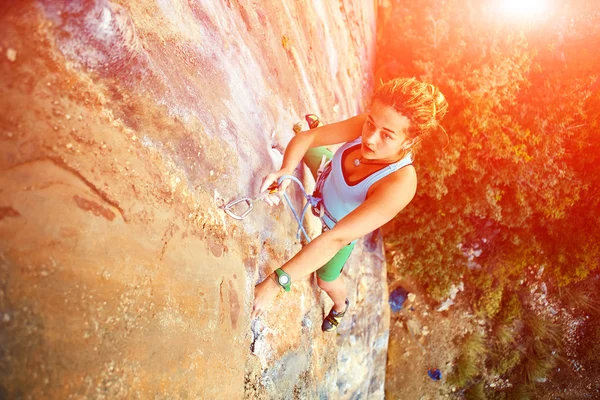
(333, 269)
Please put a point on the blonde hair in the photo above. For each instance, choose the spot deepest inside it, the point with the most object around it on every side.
(422, 103)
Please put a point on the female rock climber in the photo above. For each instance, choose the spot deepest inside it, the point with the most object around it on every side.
(368, 181)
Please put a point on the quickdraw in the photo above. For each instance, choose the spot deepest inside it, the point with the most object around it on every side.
(228, 208)
(315, 200)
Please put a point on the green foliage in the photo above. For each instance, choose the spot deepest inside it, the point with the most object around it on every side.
(512, 309)
(540, 345)
(494, 394)
(581, 298)
(517, 176)
(542, 329)
(476, 392)
(521, 392)
(506, 361)
(506, 336)
(488, 295)
(520, 165)
(468, 364)
(536, 366)
(522, 346)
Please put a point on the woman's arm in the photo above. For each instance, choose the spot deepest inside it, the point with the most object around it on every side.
(338, 132)
(372, 214)
(377, 210)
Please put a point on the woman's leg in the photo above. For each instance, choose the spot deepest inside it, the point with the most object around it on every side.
(337, 291)
(314, 156)
(329, 278)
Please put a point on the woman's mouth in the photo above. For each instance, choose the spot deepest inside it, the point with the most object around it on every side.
(366, 149)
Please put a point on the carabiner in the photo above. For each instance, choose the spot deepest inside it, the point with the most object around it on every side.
(227, 208)
(249, 200)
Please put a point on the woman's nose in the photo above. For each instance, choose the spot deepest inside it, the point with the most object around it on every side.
(371, 138)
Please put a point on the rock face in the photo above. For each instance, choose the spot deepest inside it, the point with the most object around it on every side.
(125, 126)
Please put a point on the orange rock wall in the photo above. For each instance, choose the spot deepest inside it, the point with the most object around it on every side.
(124, 127)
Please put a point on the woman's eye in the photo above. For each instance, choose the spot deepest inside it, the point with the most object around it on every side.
(370, 125)
(387, 136)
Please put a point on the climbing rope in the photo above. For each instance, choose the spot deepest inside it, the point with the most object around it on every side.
(310, 201)
(314, 201)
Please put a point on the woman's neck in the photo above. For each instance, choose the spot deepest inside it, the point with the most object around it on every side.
(361, 160)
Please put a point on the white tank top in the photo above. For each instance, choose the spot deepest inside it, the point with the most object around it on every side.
(339, 198)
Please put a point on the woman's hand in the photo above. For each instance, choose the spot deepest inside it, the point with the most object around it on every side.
(271, 181)
(264, 293)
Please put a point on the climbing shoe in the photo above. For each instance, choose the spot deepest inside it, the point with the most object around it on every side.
(332, 320)
(313, 121)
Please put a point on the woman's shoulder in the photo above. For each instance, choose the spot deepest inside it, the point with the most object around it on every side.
(350, 143)
(404, 180)
(405, 172)
(338, 132)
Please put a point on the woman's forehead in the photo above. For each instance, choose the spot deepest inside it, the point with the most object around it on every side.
(388, 117)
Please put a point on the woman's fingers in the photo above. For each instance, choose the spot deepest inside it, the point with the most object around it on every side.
(268, 181)
(272, 181)
(256, 307)
(272, 199)
(284, 185)
(264, 293)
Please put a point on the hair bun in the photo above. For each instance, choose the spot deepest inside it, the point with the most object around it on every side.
(440, 105)
(422, 103)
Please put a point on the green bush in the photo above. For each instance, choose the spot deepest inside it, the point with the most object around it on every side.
(517, 173)
(512, 309)
(505, 362)
(468, 365)
(476, 392)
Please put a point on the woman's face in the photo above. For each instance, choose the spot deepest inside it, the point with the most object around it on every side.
(384, 134)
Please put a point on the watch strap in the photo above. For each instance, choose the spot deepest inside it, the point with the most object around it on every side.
(283, 276)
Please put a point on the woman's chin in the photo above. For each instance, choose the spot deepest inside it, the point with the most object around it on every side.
(367, 154)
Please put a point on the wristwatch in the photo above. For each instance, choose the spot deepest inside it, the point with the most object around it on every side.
(283, 279)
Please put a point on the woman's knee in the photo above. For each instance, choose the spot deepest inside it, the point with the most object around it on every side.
(328, 285)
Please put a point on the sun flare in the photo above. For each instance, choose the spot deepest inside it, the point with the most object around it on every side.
(523, 8)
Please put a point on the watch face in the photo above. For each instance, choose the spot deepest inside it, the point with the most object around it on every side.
(284, 280)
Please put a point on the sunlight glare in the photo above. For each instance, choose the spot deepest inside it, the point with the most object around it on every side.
(523, 8)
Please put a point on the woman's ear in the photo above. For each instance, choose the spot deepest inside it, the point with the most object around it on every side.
(408, 143)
